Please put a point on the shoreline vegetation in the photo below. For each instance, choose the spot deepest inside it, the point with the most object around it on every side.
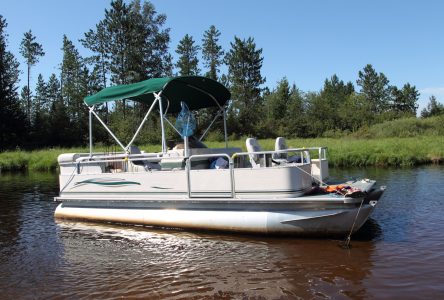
(342, 152)
(399, 143)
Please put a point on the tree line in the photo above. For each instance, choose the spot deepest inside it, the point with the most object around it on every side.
(131, 43)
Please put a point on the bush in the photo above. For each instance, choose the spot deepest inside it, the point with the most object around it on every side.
(215, 136)
(402, 128)
(332, 133)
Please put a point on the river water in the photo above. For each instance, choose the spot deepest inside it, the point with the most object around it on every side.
(399, 253)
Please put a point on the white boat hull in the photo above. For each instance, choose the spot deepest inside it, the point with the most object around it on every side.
(325, 222)
(266, 200)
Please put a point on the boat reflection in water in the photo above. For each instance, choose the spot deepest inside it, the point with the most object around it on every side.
(138, 261)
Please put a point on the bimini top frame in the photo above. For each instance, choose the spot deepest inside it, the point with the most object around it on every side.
(197, 92)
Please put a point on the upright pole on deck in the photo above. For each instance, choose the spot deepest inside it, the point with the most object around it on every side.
(90, 133)
(186, 146)
(225, 128)
(161, 121)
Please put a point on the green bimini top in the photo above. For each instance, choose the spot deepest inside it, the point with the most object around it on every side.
(197, 92)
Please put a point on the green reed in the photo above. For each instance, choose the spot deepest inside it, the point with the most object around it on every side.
(343, 152)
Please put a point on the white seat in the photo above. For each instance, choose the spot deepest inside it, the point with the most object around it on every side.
(141, 165)
(282, 158)
(280, 144)
(253, 146)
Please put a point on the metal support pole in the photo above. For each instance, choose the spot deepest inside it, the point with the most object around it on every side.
(107, 129)
(320, 166)
(225, 128)
(90, 133)
(186, 146)
(157, 96)
(211, 124)
(141, 124)
(172, 126)
(188, 169)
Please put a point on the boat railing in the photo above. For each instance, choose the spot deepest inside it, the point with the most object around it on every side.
(119, 158)
(200, 156)
(237, 160)
(316, 157)
(319, 165)
(86, 158)
(267, 156)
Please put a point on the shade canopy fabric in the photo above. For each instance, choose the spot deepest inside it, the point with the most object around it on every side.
(197, 92)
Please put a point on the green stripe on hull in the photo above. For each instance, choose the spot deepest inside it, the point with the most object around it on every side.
(106, 182)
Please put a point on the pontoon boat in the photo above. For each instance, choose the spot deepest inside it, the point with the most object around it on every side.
(283, 191)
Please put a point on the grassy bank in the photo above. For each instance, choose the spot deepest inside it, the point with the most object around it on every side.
(39, 160)
(344, 152)
(349, 152)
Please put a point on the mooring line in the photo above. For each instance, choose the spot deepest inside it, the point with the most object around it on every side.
(346, 244)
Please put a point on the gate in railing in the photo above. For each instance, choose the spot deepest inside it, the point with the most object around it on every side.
(210, 183)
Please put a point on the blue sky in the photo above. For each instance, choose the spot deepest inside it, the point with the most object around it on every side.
(306, 41)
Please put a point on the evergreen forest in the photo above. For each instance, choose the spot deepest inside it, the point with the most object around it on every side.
(132, 43)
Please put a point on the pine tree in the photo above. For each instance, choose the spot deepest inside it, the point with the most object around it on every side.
(39, 133)
(375, 87)
(154, 41)
(24, 92)
(59, 123)
(41, 96)
(355, 112)
(70, 76)
(73, 89)
(212, 52)
(52, 90)
(331, 100)
(244, 63)
(12, 128)
(31, 51)
(404, 101)
(276, 108)
(135, 42)
(296, 118)
(188, 61)
(434, 108)
(98, 42)
(118, 27)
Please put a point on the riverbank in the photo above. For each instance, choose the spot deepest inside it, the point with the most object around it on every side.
(344, 152)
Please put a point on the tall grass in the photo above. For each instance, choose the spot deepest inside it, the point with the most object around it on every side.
(406, 127)
(381, 152)
(38, 160)
(350, 152)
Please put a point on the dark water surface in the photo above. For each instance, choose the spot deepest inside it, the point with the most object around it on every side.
(398, 254)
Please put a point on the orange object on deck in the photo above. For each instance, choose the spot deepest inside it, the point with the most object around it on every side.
(334, 188)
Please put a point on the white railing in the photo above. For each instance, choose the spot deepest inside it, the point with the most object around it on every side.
(303, 154)
(267, 156)
(230, 166)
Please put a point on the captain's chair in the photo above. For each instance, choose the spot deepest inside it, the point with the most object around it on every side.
(141, 165)
(282, 158)
(253, 146)
(280, 144)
